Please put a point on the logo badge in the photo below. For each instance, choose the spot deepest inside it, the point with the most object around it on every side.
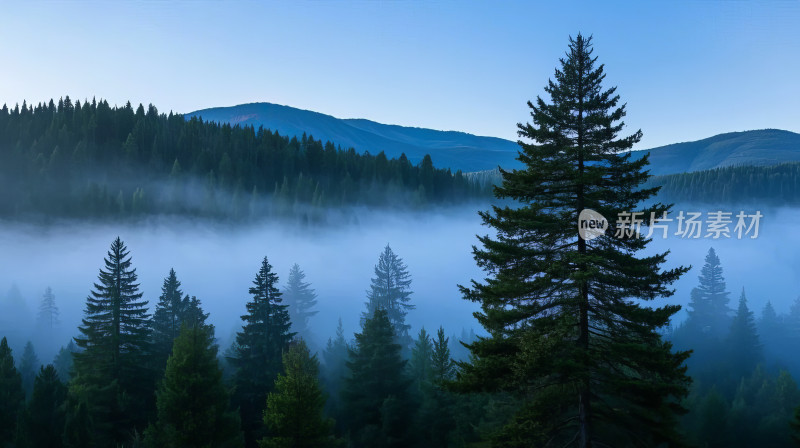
(591, 224)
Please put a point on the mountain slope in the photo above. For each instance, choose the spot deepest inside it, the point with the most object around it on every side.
(448, 149)
(760, 148)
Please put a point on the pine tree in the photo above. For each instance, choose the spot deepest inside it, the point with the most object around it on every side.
(708, 308)
(48, 317)
(28, 366)
(375, 391)
(172, 310)
(443, 368)
(420, 364)
(295, 410)
(301, 300)
(259, 349)
(390, 289)
(771, 331)
(45, 416)
(63, 361)
(111, 372)
(193, 404)
(567, 331)
(743, 342)
(12, 395)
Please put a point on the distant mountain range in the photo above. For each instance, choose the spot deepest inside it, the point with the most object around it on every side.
(448, 149)
(469, 153)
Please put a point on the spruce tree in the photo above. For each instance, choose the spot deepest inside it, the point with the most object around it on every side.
(111, 373)
(301, 300)
(193, 404)
(28, 367)
(48, 317)
(567, 329)
(375, 393)
(390, 290)
(63, 361)
(334, 370)
(12, 396)
(259, 349)
(443, 368)
(708, 309)
(45, 415)
(420, 364)
(295, 410)
(172, 311)
(745, 350)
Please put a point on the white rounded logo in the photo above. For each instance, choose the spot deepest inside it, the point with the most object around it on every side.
(591, 224)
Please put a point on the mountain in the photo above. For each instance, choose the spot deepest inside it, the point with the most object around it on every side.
(448, 149)
(759, 148)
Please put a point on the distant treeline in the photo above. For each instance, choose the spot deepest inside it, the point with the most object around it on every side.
(89, 159)
(771, 185)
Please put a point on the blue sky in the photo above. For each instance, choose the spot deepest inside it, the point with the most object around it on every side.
(687, 70)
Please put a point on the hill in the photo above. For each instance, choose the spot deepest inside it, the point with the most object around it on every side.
(448, 149)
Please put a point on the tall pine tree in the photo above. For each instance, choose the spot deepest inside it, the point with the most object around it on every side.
(28, 367)
(45, 415)
(111, 373)
(301, 300)
(744, 347)
(390, 290)
(12, 396)
(567, 330)
(295, 410)
(259, 349)
(193, 404)
(709, 313)
(375, 395)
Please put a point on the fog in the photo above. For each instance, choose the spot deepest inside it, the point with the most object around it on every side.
(217, 263)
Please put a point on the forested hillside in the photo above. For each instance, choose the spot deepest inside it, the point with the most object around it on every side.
(89, 159)
(768, 185)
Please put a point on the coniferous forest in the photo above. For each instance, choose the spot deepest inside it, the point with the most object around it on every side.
(578, 343)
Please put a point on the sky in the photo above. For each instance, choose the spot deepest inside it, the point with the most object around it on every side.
(687, 70)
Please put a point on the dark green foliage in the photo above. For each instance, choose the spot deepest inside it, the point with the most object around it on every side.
(259, 349)
(709, 313)
(421, 365)
(795, 425)
(301, 300)
(89, 159)
(748, 184)
(443, 367)
(294, 415)
(375, 395)
(193, 404)
(390, 289)
(28, 367)
(78, 426)
(45, 416)
(12, 395)
(172, 310)
(743, 342)
(567, 331)
(110, 373)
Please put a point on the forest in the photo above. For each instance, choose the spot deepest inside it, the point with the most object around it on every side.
(90, 160)
(580, 341)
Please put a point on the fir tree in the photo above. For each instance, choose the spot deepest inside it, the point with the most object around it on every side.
(12, 395)
(295, 410)
(375, 391)
(48, 317)
(708, 308)
(45, 416)
(743, 342)
(63, 361)
(172, 310)
(28, 366)
(111, 372)
(390, 289)
(443, 368)
(567, 331)
(193, 404)
(301, 300)
(258, 350)
(420, 364)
